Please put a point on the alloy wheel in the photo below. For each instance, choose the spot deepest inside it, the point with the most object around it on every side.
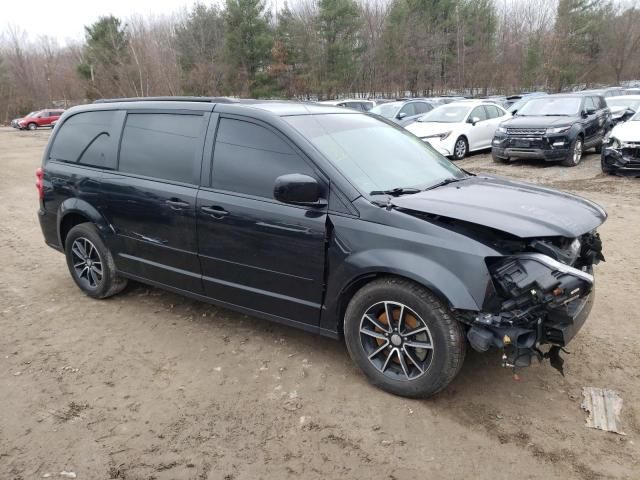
(87, 263)
(460, 149)
(396, 340)
(577, 151)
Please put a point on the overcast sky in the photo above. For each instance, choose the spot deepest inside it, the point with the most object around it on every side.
(64, 20)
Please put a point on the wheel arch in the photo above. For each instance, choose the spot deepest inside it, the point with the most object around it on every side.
(442, 283)
(74, 211)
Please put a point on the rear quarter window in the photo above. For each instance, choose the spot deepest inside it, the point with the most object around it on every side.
(88, 138)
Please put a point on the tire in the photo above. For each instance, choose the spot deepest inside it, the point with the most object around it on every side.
(576, 151)
(87, 256)
(598, 148)
(32, 126)
(391, 358)
(460, 148)
(499, 159)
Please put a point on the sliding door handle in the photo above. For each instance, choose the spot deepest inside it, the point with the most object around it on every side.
(215, 211)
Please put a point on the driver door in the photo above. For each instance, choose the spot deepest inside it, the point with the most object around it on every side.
(258, 253)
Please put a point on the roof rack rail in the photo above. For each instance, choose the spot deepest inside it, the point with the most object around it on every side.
(168, 99)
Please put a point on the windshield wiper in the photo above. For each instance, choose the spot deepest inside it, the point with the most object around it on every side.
(396, 192)
(556, 115)
(444, 182)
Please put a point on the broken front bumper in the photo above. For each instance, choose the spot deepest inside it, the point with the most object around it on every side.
(541, 301)
(621, 161)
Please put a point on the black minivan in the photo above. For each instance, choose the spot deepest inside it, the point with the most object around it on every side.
(322, 218)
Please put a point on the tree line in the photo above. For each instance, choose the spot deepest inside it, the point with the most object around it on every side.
(319, 49)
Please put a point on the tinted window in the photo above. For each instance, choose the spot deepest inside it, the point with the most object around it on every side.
(478, 112)
(161, 145)
(248, 158)
(88, 139)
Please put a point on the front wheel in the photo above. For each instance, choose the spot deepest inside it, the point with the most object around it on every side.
(32, 126)
(575, 153)
(403, 338)
(90, 262)
(460, 148)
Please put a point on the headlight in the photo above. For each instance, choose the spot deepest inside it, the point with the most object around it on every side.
(441, 136)
(558, 129)
(501, 129)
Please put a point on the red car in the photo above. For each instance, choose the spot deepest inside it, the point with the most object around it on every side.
(41, 118)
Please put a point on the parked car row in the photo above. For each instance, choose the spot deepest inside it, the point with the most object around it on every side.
(37, 119)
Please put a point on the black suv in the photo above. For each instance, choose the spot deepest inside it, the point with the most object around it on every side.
(325, 219)
(554, 128)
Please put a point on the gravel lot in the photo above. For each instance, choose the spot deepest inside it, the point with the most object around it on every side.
(152, 385)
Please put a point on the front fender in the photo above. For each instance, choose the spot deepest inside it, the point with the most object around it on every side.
(418, 268)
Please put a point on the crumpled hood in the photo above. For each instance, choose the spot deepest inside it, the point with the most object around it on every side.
(628, 131)
(424, 129)
(521, 209)
(531, 121)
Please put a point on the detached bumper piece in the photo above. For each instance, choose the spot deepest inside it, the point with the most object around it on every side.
(622, 161)
(542, 301)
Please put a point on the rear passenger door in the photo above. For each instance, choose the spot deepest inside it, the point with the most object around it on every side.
(258, 253)
(592, 126)
(150, 201)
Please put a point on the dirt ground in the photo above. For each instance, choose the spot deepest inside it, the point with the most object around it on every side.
(150, 385)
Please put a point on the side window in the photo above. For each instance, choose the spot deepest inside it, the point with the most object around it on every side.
(161, 145)
(44, 115)
(601, 102)
(248, 158)
(422, 107)
(409, 109)
(88, 138)
(589, 104)
(478, 112)
(493, 111)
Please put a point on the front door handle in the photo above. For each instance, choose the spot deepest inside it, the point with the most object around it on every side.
(176, 203)
(215, 211)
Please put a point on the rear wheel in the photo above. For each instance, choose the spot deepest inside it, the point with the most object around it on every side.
(403, 338)
(460, 148)
(90, 262)
(575, 153)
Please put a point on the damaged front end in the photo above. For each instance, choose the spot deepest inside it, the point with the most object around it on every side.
(621, 158)
(542, 296)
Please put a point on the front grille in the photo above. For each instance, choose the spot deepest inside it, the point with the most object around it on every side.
(526, 131)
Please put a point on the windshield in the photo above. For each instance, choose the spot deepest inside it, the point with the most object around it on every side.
(373, 155)
(446, 114)
(622, 102)
(387, 110)
(563, 106)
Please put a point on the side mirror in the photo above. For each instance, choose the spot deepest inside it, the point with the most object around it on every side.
(474, 120)
(297, 189)
(401, 115)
